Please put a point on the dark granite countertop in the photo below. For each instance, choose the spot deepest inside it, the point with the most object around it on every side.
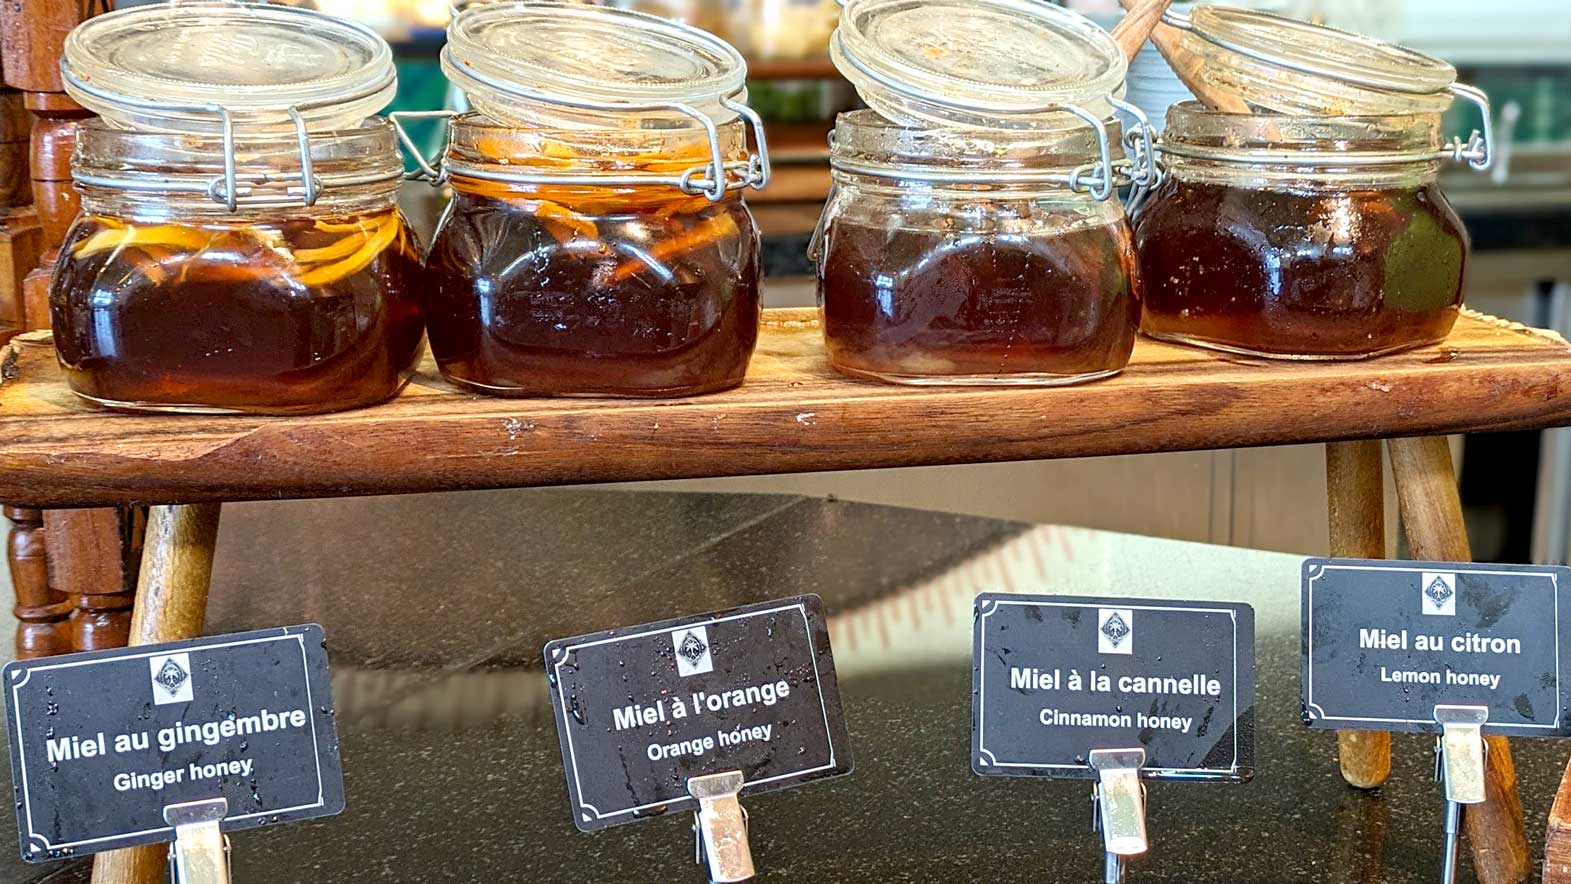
(436, 608)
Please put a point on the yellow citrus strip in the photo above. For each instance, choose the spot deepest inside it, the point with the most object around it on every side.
(703, 233)
(349, 226)
(374, 245)
(345, 246)
(188, 238)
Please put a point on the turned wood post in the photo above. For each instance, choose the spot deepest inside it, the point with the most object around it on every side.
(171, 604)
(1432, 519)
(1355, 492)
(41, 610)
(92, 566)
(93, 556)
(34, 38)
(20, 239)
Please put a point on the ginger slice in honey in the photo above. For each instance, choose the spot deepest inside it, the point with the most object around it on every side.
(710, 230)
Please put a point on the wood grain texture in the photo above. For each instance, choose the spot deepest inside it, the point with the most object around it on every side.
(54, 196)
(1355, 494)
(794, 414)
(1432, 519)
(1188, 66)
(92, 557)
(1557, 835)
(32, 37)
(15, 144)
(20, 248)
(1134, 29)
(171, 604)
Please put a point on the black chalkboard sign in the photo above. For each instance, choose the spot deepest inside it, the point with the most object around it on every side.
(101, 742)
(641, 710)
(1385, 642)
(1056, 677)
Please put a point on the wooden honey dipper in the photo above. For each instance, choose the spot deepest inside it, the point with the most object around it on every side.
(1144, 19)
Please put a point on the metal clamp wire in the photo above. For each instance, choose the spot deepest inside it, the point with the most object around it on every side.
(1479, 149)
(1141, 141)
(752, 172)
(1184, 23)
(712, 185)
(1100, 187)
(436, 174)
(757, 178)
(225, 188)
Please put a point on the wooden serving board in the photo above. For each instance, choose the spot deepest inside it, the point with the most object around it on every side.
(793, 414)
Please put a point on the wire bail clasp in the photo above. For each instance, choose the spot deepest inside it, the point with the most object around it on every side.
(1479, 148)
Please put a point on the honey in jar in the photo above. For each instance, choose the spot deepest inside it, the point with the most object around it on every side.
(973, 236)
(617, 290)
(247, 256)
(597, 242)
(1312, 227)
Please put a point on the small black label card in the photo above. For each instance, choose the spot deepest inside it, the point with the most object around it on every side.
(641, 710)
(1055, 677)
(101, 742)
(1385, 642)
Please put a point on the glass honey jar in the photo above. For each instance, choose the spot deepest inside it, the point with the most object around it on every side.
(1314, 226)
(239, 247)
(597, 242)
(974, 236)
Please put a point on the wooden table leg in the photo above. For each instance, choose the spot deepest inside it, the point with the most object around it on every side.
(171, 604)
(1557, 835)
(1432, 518)
(1355, 490)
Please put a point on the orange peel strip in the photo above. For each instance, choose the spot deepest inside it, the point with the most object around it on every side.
(373, 246)
(343, 247)
(188, 238)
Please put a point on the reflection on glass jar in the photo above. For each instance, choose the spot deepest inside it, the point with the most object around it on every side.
(166, 300)
(1300, 237)
(621, 289)
(996, 275)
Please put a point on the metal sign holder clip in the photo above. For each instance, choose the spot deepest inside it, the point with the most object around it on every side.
(720, 827)
(1120, 802)
(1459, 759)
(200, 854)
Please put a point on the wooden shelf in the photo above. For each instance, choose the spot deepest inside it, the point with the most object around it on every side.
(793, 414)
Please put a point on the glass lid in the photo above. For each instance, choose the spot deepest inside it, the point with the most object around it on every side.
(1289, 66)
(172, 66)
(980, 63)
(574, 65)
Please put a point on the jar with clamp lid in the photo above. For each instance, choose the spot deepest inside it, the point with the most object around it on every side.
(597, 242)
(1312, 227)
(240, 247)
(974, 235)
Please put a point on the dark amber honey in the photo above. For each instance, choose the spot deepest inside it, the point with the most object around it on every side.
(929, 306)
(306, 315)
(1318, 274)
(646, 294)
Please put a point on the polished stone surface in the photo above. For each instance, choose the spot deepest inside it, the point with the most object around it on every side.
(436, 608)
